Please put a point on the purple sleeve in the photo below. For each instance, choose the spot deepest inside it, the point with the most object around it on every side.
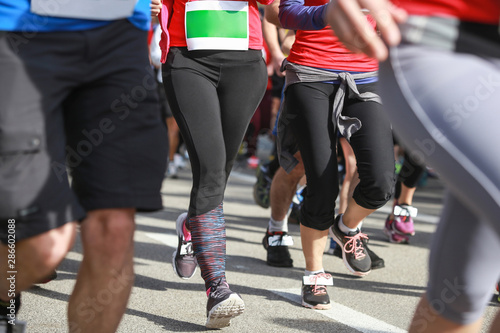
(294, 15)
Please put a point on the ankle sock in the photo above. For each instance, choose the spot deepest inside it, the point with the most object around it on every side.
(307, 273)
(278, 226)
(344, 228)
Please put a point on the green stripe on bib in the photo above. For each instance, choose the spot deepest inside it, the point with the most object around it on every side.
(200, 24)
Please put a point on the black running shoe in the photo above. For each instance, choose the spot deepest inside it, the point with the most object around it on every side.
(314, 293)
(276, 244)
(222, 305)
(354, 254)
(262, 187)
(377, 262)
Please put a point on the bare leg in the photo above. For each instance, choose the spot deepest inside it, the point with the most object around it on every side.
(283, 189)
(355, 214)
(406, 196)
(427, 320)
(106, 273)
(351, 179)
(173, 137)
(36, 257)
(313, 246)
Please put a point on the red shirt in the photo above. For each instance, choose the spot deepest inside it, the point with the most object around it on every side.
(322, 49)
(484, 11)
(178, 35)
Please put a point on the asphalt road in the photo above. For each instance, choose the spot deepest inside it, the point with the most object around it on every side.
(383, 301)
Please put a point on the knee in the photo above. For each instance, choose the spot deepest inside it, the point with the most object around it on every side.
(108, 232)
(375, 196)
(46, 251)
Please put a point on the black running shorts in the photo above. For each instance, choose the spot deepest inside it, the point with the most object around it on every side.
(82, 102)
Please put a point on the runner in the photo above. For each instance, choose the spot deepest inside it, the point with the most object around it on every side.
(454, 119)
(214, 86)
(330, 88)
(77, 93)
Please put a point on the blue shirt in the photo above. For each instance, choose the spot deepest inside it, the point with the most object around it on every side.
(15, 15)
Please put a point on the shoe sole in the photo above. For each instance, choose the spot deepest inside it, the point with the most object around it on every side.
(220, 316)
(178, 229)
(317, 306)
(279, 264)
(346, 264)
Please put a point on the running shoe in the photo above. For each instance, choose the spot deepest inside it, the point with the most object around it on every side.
(377, 262)
(399, 225)
(262, 186)
(222, 305)
(314, 294)
(403, 221)
(354, 254)
(392, 234)
(172, 170)
(276, 244)
(183, 259)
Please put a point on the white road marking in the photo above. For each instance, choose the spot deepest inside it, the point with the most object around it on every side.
(345, 315)
(167, 239)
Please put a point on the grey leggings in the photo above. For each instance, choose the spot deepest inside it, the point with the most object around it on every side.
(444, 104)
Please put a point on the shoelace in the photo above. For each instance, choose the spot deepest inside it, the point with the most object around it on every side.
(321, 288)
(354, 245)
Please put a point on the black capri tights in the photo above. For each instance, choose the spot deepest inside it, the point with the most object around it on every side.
(213, 95)
(309, 108)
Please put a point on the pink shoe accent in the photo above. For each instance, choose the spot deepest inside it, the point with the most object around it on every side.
(351, 246)
(186, 232)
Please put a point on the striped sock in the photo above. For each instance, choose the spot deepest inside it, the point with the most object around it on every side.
(209, 243)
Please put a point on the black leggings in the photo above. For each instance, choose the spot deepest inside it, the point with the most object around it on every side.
(213, 95)
(310, 108)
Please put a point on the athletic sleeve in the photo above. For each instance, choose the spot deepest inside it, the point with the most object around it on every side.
(294, 15)
(266, 2)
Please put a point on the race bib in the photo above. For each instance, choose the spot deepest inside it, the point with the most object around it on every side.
(85, 9)
(217, 25)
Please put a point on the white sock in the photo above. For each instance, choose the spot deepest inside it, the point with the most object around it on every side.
(344, 228)
(307, 273)
(278, 226)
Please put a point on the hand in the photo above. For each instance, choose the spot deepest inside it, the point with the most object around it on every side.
(155, 7)
(276, 61)
(351, 27)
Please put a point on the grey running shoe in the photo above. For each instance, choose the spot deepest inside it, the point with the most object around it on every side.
(222, 305)
(354, 254)
(183, 259)
(314, 294)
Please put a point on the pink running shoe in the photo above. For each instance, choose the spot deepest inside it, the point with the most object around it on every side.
(403, 221)
(400, 226)
(394, 236)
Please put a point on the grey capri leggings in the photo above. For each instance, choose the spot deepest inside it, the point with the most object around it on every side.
(450, 96)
